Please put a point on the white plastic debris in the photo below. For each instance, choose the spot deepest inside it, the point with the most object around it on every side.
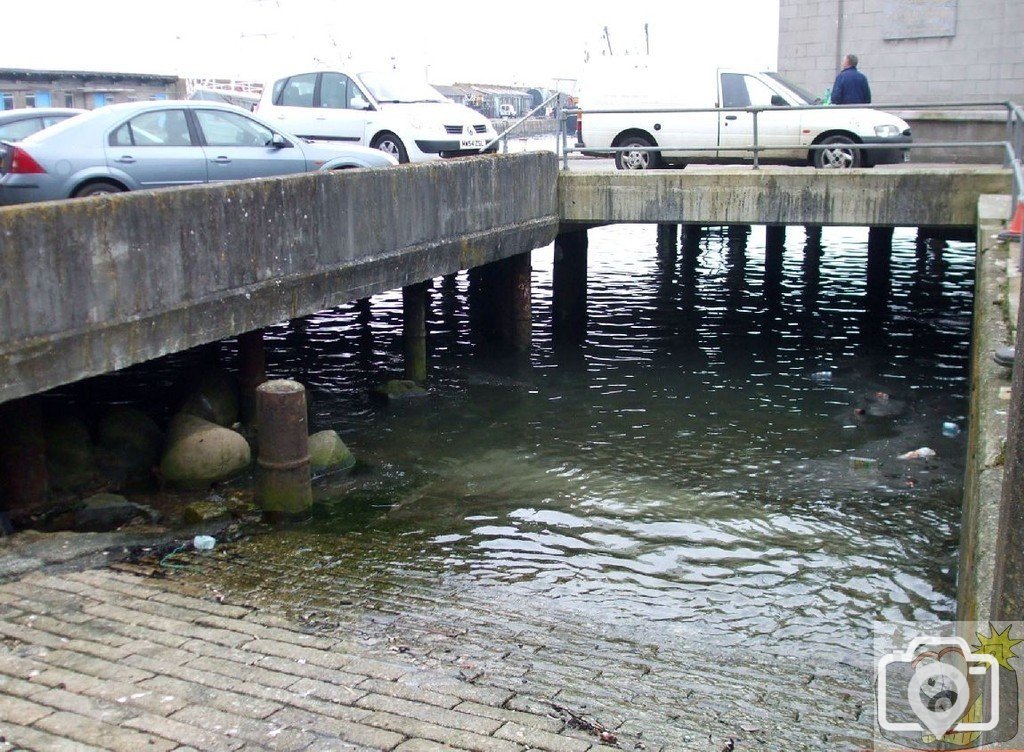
(204, 542)
(917, 454)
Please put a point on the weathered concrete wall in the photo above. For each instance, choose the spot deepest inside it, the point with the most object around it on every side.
(983, 481)
(897, 196)
(951, 126)
(94, 285)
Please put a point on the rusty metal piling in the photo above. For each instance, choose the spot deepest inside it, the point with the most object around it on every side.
(284, 485)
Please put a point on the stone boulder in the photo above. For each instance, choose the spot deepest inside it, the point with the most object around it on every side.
(104, 512)
(328, 453)
(200, 453)
(398, 390)
(128, 445)
(70, 453)
(215, 398)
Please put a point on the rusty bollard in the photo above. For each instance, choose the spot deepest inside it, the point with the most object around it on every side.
(283, 485)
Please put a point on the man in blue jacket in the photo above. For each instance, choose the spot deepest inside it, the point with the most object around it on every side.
(851, 86)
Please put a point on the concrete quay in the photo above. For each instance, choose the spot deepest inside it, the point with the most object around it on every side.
(104, 659)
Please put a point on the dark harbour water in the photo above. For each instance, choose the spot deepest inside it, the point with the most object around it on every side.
(663, 525)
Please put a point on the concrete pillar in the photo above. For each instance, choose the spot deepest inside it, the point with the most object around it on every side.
(284, 488)
(813, 234)
(24, 480)
(668, 240)
(519, 291)
(1008, 595)
(414, 331)
(252, 371)
(775, 238)
(880, 240)
(569, 286)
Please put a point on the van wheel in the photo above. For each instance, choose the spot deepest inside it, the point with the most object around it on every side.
(637, 160)
(838, 156)
(391, 144)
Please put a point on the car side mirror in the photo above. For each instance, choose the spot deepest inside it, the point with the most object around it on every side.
(778, 101)
(358, 103)
(278, 141)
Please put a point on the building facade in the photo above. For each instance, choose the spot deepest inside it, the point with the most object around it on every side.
(912, 51)
(83, 89)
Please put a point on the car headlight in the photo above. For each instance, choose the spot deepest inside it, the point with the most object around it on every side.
(886, 131)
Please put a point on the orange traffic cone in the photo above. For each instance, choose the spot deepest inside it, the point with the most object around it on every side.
(1013, 232)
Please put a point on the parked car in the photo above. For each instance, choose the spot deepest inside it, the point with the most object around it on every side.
(408, 119)
(506, 110)
(786, 133)
(137, 145)
(17, 124)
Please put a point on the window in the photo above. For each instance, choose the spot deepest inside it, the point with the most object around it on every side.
(18, 130)
(231, 129)
(42, 99)
(99, 99)
(734, 91)
(158, 128)
(159, 96)
(759, 92)
(298, 91)
(69, 100)
(6, 102)
(30, 100)
(336, 90)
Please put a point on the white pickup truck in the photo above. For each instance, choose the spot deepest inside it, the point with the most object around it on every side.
(716, 135)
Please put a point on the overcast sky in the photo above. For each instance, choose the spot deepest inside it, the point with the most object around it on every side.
(531, 42)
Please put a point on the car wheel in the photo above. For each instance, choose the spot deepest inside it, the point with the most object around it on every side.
(637, 160)
(838, 155)
(95, 189)
(391, 144)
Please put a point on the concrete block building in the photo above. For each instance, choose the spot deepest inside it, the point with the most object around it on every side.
(912, 51)
(85, 89)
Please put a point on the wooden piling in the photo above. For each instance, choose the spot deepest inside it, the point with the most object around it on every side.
(252, 371)
(668, 240)
(284, 485)
(569, 286)
(24, 480)
(414, 331)
(775, 238)
(521, 325)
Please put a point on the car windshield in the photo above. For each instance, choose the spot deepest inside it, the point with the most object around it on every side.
(796, 89)
(386, 86)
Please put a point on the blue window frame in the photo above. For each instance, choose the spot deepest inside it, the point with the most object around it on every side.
(42, 99)
(99, 99)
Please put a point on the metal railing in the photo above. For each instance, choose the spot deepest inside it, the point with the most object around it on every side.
(1012, 147)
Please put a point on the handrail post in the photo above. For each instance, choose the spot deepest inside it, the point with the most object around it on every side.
(756, 167)
(560, 120)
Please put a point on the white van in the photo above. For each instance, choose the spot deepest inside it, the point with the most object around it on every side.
(506, 110)
(406, 118)
(712, 137)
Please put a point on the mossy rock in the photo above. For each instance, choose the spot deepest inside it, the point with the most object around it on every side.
(215, 398)
(200, 453)
(70, 453)
(103, 512)
(204, 511)
(398, 390)
(128, 445)
(328, 453)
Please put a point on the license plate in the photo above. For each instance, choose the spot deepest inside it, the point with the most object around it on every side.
(472, 143)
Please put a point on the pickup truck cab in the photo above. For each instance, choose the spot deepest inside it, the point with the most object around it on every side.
(718, 135)
(406, 118)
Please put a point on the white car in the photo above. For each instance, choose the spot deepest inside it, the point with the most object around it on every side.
(408, 119)
(649, 101)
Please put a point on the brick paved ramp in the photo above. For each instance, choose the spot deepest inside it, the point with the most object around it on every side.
(104, 659)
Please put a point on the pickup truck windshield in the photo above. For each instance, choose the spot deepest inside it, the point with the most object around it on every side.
(389, 87)
(800, 92)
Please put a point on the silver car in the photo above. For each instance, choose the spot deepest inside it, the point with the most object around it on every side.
(140, 145)
(18, 124)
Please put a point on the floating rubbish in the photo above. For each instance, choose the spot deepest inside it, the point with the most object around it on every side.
(821, 376)
(950, 429)
(917, 454)
(863, 463)
(204, 542)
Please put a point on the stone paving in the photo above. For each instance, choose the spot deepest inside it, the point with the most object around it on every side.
(107, 659)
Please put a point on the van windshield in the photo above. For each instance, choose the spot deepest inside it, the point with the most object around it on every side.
(796, 89)
(387, 87)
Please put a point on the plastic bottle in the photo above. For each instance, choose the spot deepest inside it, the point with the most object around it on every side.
(204, 542)
(950, 429)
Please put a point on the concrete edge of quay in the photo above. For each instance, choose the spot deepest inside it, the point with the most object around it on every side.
(995, 288)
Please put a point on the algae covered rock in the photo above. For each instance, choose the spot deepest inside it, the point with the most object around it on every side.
(328, 453)
(70, 453)
(103, 512)
(215, 398)
(204, 511)
(200, 453)
(128, 444)
(398, 390)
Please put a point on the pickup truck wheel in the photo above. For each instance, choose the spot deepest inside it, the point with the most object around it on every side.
(838, 155)
(637, 160)
(391, 144)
